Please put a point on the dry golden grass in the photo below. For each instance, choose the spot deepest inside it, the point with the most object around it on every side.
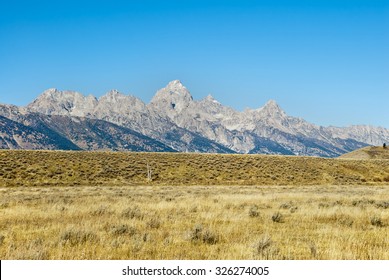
(195, 222)
(53, 168)
(102, 205)
(368, 153)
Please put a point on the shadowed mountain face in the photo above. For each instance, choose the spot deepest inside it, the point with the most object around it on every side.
(93, 134)
(14, 135)
(174, 121)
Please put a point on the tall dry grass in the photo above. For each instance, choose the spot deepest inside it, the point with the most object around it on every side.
(195, 222)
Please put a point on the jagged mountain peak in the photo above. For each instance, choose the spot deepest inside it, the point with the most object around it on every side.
(58, 95)
(210, 98)
(175, 88)
(50, 91)
(175, 83)
(114, 92)
(175, 119)
(115, 96)
(112, 95)
(171, 99)
(57, 102)
(271, 108)
(271, 103)
(118, 103)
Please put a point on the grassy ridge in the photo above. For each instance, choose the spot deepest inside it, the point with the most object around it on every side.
(59, 168)
(368, 153)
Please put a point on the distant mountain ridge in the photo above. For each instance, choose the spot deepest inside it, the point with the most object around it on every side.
(173, 121)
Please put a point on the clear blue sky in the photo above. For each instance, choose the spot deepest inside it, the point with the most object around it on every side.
(325, 61)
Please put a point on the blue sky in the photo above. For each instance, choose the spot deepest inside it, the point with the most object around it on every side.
(325, 61)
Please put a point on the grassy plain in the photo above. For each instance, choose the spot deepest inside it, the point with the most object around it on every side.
(53, 168)
(76, 205)
(214, 222)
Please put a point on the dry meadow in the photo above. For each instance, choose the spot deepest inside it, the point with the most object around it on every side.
(49, 211)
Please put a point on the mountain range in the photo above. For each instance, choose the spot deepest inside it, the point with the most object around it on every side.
(172, 121)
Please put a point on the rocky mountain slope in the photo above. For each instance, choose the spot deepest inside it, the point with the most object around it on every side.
(14, 135)
(174, 121)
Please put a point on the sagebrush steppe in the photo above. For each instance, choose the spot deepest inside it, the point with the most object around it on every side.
(55, 168)
(90, 205)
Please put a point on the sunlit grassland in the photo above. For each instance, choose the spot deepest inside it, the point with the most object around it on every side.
(55, 168)
(195, 222)
(118, 205)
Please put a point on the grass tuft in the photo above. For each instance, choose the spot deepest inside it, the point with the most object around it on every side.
(277, 217)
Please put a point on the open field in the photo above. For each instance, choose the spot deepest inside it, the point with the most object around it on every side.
(214, 222)
(53, 168)
(104, 205)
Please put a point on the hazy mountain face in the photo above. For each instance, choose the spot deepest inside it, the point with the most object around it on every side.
(174, 121)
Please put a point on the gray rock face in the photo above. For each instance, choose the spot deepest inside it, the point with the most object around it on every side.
(129, 112)
(264, 130)
(171, 100)
(363, 133)
(178, 122)
(55, 102)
